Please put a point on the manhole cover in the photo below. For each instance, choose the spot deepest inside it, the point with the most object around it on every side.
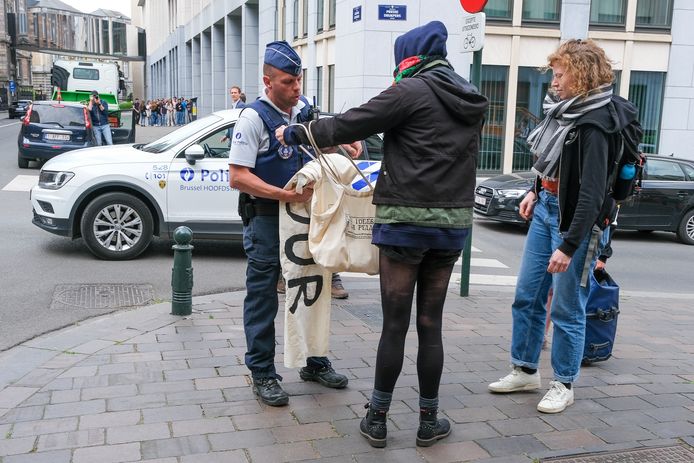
(674, 454)
(101, 296)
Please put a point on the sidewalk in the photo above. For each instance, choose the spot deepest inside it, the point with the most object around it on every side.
(144, 385)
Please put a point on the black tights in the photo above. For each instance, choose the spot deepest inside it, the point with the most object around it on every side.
(398, 281)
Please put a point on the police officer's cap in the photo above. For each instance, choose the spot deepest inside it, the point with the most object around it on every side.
(282, 56)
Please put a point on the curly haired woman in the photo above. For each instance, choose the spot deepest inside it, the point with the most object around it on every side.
(573, 146)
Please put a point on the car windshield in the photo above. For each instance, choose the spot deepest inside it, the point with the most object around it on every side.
(57, 114)
(177, 136)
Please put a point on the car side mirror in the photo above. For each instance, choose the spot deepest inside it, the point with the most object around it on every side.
(194, 153)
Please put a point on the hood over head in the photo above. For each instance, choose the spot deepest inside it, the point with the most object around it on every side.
(429, 39)
(461, 99)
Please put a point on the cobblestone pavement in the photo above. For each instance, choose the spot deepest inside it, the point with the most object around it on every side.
(147, 386)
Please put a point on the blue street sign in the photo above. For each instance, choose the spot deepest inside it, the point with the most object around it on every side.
(13, 86)
(356, 14)
(392, 12)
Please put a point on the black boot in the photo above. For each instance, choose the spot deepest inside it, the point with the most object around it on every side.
(431, 429)
(373, 427)
(270, 392)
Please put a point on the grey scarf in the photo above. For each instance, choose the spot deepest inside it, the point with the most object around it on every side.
(547, 139)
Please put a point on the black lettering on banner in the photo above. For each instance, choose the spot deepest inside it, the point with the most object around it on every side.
(296, 217)
(289, 250)
(302, 283)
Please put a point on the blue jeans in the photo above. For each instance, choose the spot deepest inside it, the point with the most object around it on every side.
(103, 131)
(568, 309)
(261, 242)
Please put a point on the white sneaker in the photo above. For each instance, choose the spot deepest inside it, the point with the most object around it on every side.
(557, 398)
(517, 380)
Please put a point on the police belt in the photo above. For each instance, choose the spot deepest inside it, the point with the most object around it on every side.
(261, 207)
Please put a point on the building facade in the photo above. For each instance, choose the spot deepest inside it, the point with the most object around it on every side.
(200, 48)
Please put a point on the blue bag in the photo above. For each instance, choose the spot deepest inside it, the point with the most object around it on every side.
(602, 309)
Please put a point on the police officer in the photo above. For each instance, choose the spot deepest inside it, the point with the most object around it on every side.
(259, 166)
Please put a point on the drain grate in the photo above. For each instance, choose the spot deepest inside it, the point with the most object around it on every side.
(674, 454)
(101, 296)
(371, 314)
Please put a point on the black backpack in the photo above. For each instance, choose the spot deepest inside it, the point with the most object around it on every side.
(626, 172)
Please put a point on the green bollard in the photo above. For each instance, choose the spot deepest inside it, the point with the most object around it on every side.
(182, 272)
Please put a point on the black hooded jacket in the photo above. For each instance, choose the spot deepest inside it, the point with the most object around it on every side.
(431, 124)
(588, 154)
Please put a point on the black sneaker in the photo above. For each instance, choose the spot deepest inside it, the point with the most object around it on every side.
(270, 392)
(431, 429)
(373, 427)
(325, 376)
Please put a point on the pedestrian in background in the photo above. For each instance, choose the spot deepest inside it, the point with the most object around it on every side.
(260, 167)
(431, 119)
(98, 111)
(235, 94)
(573, 146)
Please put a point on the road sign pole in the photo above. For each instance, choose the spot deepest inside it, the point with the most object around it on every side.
(475, 79)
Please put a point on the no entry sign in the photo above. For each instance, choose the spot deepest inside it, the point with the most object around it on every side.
(473, 6)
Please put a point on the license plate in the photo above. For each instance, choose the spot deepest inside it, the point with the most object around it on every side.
(481, 200)
(57, 136)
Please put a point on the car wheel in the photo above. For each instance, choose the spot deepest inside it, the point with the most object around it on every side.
(117, 226)
(22, 163)
(685, 232)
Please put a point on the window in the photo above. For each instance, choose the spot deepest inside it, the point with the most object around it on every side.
(664, 170)
(608, 13)
(85, 73)
(320, 17)
(304, 80)
(331, 14)
(689, 170)
(304, 16)
(546, 11)
(655, 14)
(319, 86)
(374, 147)
(532, 88)
(493, 86)
(331, 88)
(120, 46)
(295, 23)
(104, 37)
(646, 92)
(499, 10)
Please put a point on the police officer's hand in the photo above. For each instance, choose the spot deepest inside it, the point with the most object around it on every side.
(599, 265)
(559, 262)
(304, 196)
(279, 134)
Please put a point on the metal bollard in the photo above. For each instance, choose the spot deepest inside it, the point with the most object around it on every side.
(182, 272)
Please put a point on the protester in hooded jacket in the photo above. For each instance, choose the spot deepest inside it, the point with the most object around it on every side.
(574, 146)
(431, 119)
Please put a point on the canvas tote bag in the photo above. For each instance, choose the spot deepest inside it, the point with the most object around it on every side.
(342, 218)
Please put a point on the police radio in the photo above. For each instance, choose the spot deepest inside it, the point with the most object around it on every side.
(314, 111)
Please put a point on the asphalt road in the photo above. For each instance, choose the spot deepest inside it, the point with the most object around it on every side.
(34, 261)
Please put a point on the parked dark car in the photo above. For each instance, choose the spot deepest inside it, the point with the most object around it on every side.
(50, 128)
(54, 127)
(18, 108)
(665, 201)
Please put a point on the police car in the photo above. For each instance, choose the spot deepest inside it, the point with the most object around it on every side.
(118, 197)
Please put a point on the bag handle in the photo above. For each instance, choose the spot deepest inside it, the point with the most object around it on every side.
(330, 168)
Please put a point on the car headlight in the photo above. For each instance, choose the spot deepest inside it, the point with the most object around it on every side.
(52, 180)
(513, 193)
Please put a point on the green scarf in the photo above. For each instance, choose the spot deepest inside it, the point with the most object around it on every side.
(409, 67)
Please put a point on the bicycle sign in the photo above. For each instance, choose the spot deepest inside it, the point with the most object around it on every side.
(473, 32)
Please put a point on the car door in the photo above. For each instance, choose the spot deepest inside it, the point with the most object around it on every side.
(123, 126)
(662, 196)
(199, 195)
